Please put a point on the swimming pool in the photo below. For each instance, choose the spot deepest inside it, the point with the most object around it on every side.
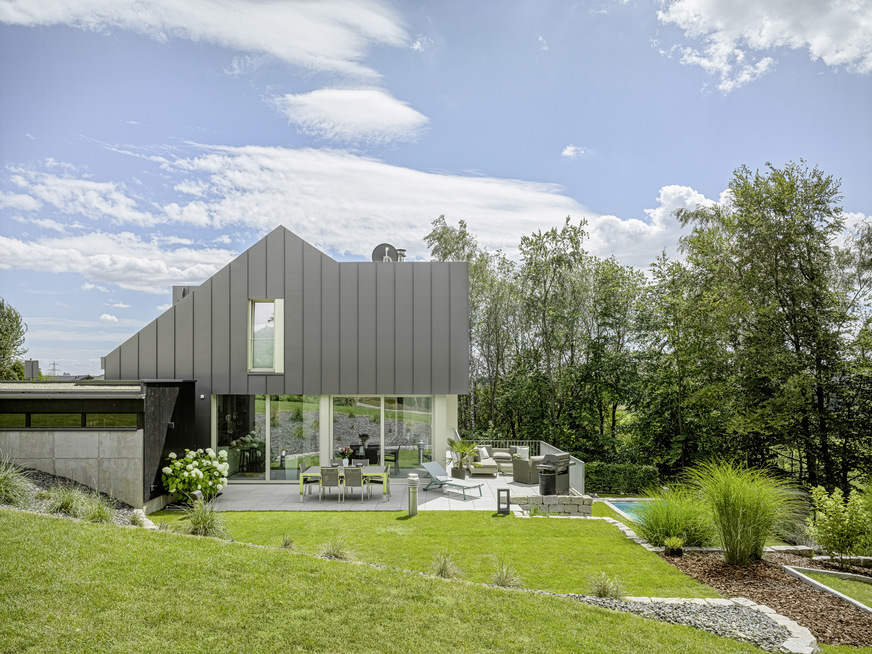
(627, 509)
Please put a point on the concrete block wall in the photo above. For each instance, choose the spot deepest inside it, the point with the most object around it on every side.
(109, 461)
(556, 504)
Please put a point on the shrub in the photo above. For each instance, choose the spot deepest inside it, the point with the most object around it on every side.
(839, 528)
(202, 471)
(672, 546)
(746, 504)
(506, 575)
(619, 478)
(444, 565)
(203, 519)
(602, 585)
(336, 548)
(15, 489)
(675, 513)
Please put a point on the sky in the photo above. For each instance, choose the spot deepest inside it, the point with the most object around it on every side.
(146, 143)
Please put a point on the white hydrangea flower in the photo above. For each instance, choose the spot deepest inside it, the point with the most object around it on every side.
(172, 455)
(200, 451)
(190, 454)
(184, 474)
(167, 471)
(196, 464)
(222, 454)
(189, 467)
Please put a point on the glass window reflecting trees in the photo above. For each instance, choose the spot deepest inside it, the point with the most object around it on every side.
(265, 350)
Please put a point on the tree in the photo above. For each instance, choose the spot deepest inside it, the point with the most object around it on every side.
(12, 330)
(787, 301)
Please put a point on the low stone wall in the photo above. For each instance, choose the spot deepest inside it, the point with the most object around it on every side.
(556, 504)
(109, 461)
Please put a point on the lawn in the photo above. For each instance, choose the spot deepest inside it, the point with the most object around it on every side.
(858, 590)
(67, 586)
(555, 555)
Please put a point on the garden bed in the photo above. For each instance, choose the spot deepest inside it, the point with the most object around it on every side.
(830, 619)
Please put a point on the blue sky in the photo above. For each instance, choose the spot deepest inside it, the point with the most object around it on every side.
(145, 144)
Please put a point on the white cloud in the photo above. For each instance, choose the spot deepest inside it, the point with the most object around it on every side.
(123, 259)
(19, 202)
(838, 33)
(543, 44)
(84, 197)
(361, 115)
(328, 35)
(573, 151)
(421, 43)
(638, 242)
(119, 305)
(347, 203)
(109, 318)
(88, 286)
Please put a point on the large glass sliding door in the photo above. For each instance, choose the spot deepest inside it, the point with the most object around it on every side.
(287, 438)
(357, 428)
(409, 431)
(241, 430)
(293, 434)
(402, 441)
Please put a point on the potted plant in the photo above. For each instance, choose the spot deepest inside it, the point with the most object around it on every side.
(465, 450)
(672, 546)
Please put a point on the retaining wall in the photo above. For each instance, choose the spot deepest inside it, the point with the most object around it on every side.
(556, 504)
(109, 461)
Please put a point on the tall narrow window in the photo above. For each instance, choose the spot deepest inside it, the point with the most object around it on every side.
(266, 353)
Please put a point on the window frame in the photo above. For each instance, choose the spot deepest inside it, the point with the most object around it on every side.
(278, 335)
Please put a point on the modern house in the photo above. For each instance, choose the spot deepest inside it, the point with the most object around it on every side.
(292, 356)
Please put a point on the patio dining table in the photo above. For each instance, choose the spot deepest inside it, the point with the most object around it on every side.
(314, 472)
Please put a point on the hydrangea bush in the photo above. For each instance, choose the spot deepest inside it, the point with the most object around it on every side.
(200, 470)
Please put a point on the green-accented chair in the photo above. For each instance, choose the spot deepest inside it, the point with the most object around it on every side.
(329, 479)
(354, 479)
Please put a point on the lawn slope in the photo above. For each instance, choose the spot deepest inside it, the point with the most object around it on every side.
(67, 586)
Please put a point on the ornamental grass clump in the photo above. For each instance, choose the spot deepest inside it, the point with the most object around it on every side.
(506, 575)
(675, 513)
(203, 519)
(66, 499)
(601, 585)
(335, 548)
(444, 565)
(15, 489)
(746, 504)
(200, 470)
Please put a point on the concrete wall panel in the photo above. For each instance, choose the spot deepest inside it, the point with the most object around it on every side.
(348, 299)
(366, 329)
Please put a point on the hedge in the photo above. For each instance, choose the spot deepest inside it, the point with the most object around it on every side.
(620, 478)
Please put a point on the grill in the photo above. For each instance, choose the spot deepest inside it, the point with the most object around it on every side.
(554, 474)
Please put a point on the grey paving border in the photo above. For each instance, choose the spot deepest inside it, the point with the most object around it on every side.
(799, 573)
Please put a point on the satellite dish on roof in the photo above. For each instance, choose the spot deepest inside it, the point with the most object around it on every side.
(385, 252)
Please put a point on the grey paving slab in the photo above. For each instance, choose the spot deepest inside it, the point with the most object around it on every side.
(286, 497)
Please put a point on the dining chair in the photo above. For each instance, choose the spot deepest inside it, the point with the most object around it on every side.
(359, 463)
(335, 463)
(379, 481)
(329, 479)
(354, 479)
(307, 481)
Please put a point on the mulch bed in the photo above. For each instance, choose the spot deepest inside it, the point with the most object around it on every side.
(830, 619)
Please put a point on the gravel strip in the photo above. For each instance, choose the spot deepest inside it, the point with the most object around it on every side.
(737, 622)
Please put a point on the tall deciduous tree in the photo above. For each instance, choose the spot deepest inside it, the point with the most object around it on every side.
(785, 306)
(12, 331)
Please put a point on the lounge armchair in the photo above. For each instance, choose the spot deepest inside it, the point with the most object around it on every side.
(503, 457)
(440, 478)
(483, 464)
(525, 471)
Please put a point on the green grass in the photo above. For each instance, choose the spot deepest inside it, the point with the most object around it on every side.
(844, 649)
(857, 590)
(549, 554)
(601, 510)
(79, 587)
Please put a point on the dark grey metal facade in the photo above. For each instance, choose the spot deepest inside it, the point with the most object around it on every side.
(349, 328)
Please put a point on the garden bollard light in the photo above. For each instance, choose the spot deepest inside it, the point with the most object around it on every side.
(413, 494)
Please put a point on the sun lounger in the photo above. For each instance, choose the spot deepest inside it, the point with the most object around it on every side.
(441, 478)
